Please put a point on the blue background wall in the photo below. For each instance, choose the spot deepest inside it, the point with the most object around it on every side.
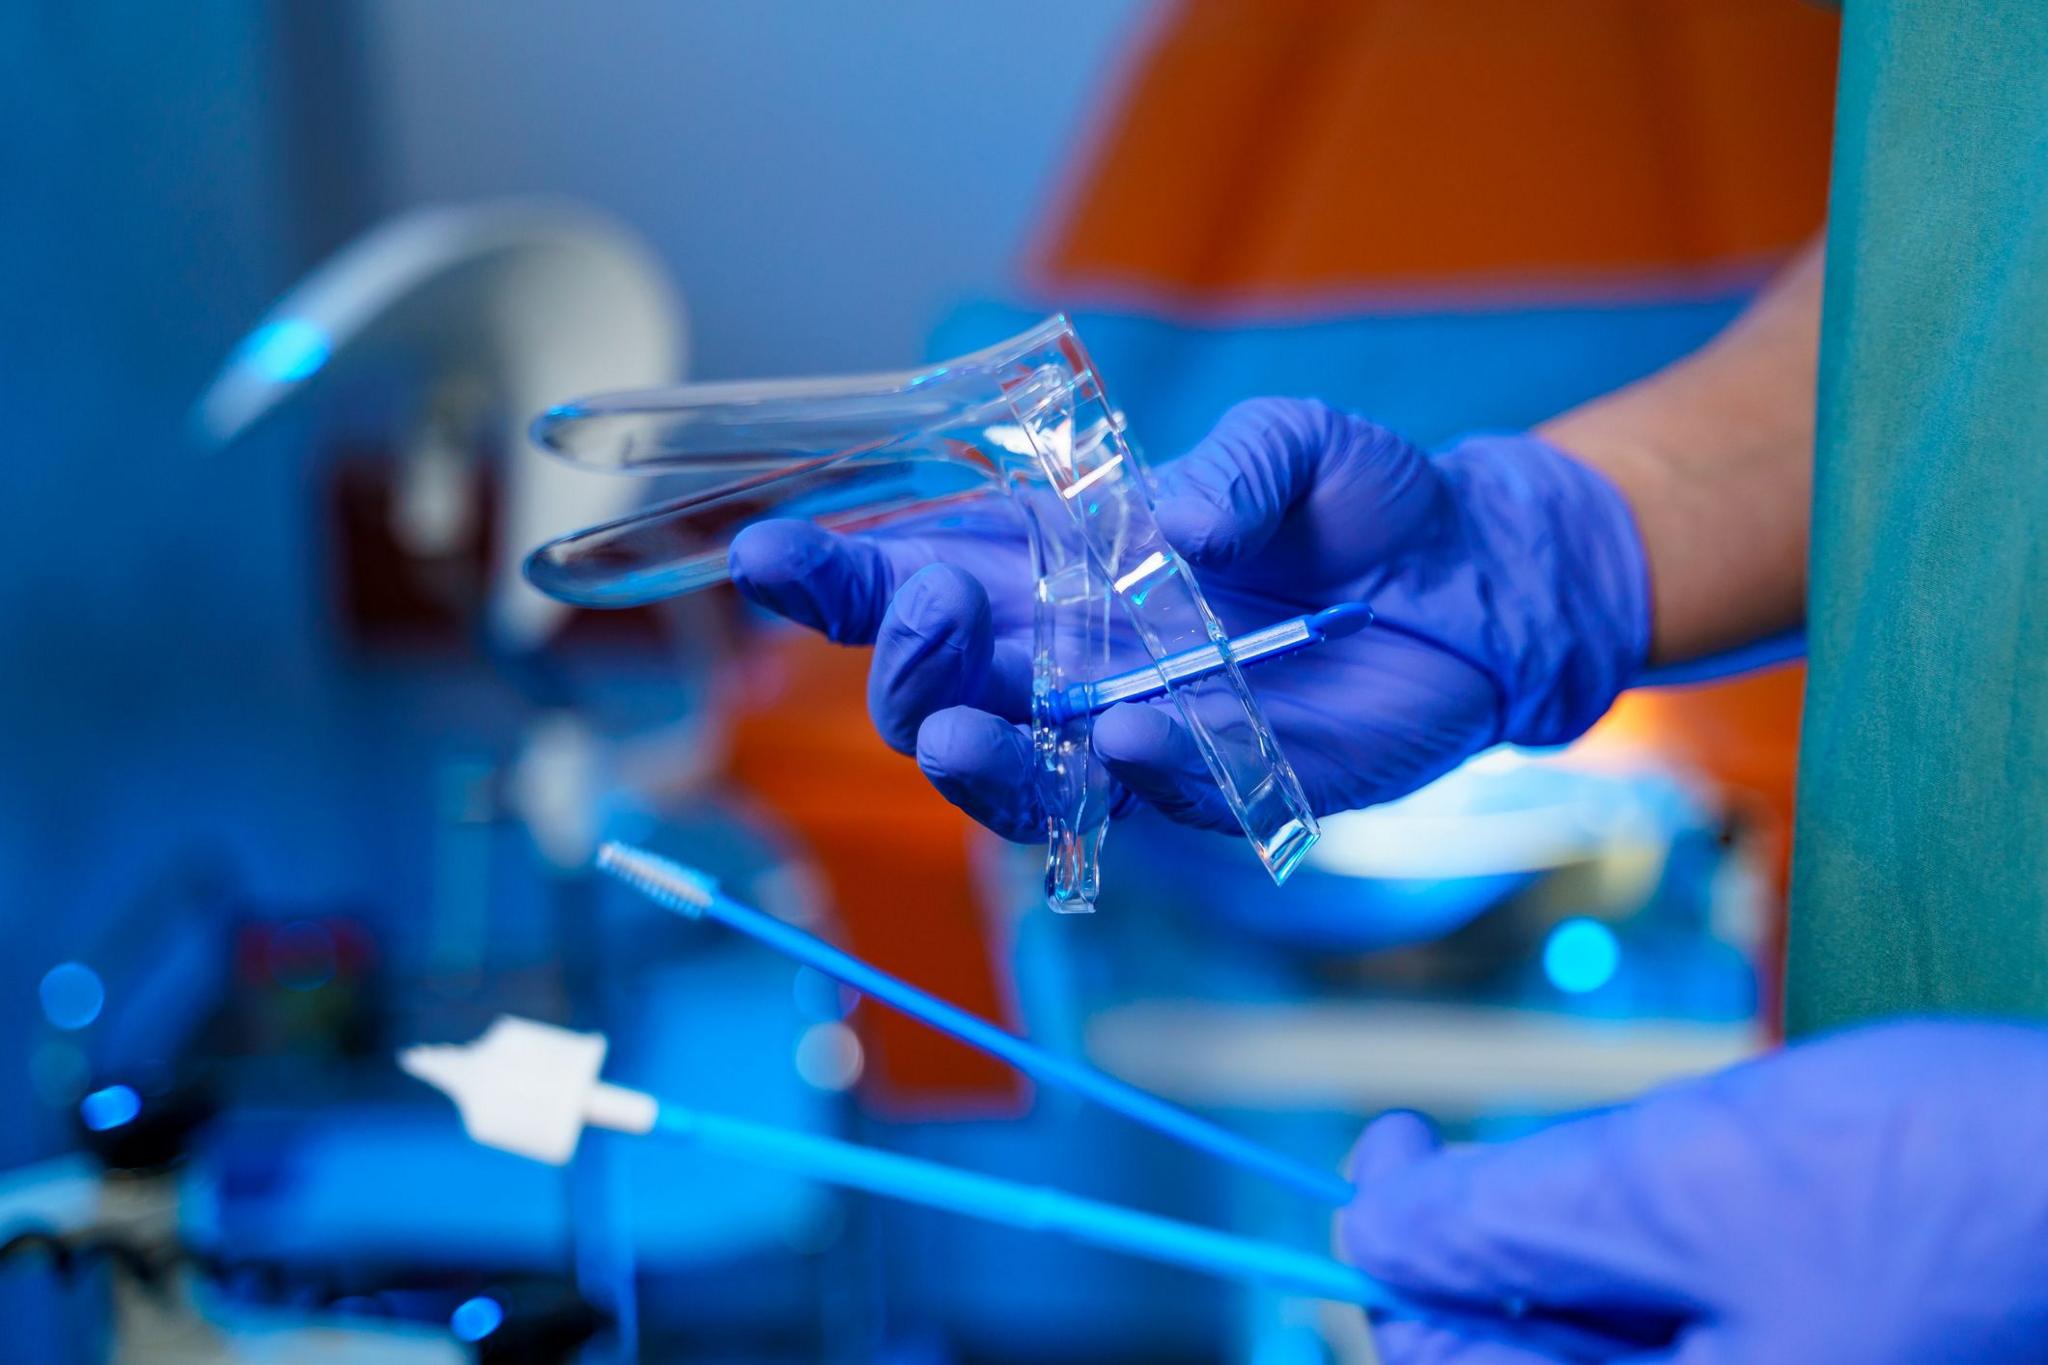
(826, 179)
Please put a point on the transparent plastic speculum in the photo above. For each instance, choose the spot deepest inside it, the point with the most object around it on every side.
(1027, 420)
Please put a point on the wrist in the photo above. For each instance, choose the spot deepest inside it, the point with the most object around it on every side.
(1564, 562)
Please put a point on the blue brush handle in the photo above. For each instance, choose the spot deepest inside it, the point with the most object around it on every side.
(694, 895)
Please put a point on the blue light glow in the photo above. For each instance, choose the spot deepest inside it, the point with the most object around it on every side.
(286, 350)
(110, 1107)
(1581, 955)
(72, 995)
(474, 1319)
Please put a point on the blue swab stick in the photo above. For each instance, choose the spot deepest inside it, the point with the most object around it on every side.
(691, 893)
(532, 1088)
(1034, 1208)
(1273, 642)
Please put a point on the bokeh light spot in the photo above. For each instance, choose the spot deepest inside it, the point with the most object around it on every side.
(1581, 955)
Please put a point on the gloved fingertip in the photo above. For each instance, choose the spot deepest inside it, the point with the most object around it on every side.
(1396, 1139)
(1205, 534)
(1374, 1230)
(779, 565)
(1137, 735)
(835, 584)
(776, 551)
(944, 597)
(982, 764)
(933, 651)
(1226, 497)
(1407, 1341)
(957, 737)
(1006, 690)
(1145, 747)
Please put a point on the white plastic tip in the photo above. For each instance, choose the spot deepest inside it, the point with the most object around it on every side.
(680, 888)
(529, 1088)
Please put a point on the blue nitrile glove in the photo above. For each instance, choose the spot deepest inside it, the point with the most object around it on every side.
(1508, 580)
(1876, 1198)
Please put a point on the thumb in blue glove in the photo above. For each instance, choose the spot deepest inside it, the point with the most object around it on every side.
(1875, 1198)
(1509, 580)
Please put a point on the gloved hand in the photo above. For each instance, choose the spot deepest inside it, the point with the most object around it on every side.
(1509, 583)
(1876, 1198)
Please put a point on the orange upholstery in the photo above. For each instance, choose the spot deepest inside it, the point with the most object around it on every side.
(1270, 147)
(894, 856)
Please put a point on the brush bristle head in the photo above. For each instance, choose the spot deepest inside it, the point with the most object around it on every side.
(679, 888)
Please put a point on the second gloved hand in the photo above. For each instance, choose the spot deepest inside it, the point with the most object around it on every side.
(1875, 1198)
(1508, 580)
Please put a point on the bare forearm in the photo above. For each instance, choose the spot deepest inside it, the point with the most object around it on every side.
(1715, 455)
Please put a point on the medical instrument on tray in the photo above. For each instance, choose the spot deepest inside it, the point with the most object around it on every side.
(1253, 647)
(494, 307)
(1027, 417)
(691, 893)
(530, 1088)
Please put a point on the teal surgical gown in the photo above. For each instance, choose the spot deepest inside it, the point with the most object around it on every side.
(1921, 853)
